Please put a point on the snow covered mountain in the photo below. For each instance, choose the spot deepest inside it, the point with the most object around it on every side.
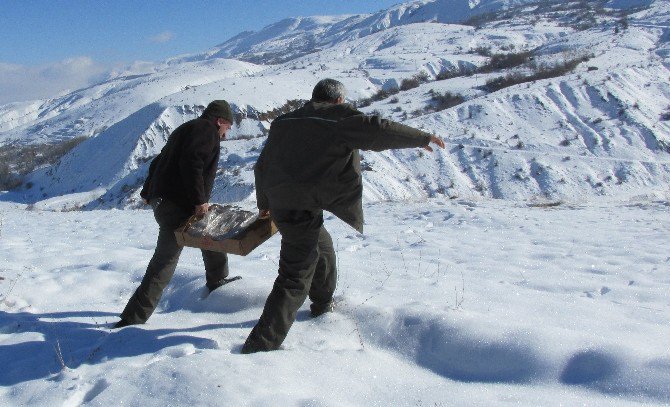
(293, 37)
(537, 100)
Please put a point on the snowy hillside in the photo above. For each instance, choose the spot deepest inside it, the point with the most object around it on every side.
(599, 127)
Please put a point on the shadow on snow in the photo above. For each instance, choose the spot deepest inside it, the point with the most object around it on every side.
(51, 341)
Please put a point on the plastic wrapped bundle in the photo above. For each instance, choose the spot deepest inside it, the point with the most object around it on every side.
(222, 222)
(227, 229)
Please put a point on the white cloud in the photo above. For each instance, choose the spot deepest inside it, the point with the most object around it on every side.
(19, 82)
(163, 37)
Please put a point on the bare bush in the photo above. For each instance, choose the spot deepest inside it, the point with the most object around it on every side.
(586, 22)
(543, 71)
(442, 101)
(289, 106)
(380, 95)
(506, 61)
(480, 20)
(414, 81)
(502, 82)
(665, 116)
(623, 23)
(248, 136)
(16, 161)
(410, 83)
(238, 117)
(363, 102)
(455, 73)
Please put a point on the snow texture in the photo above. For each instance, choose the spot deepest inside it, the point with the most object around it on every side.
(442, 302)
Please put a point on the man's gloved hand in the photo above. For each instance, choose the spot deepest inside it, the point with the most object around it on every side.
(201, 210)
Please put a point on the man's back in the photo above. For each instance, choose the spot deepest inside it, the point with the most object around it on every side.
(311, 159)
(304, 145)
(185, 169)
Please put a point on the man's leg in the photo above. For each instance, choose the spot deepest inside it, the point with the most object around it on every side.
(297, 262)
(161, 267)
(325, 276)
(216, 267)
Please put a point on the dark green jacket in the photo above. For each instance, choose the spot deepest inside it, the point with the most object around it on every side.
(311, 159)
(184, 171)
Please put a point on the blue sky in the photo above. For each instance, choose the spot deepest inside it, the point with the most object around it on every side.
(71, 42)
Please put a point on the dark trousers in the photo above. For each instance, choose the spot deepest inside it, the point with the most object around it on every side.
(307, 266)
(164, 261)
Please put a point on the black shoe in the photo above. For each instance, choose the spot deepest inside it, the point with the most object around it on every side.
(247, 350)
(251, 346)
(213, 286)
(121, 324)
(317, 310)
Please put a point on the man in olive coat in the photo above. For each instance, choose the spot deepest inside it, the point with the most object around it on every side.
(179, 185)
(310, 163)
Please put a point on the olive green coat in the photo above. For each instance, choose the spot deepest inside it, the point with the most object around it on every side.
(311, 160)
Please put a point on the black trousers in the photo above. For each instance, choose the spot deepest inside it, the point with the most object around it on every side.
(307, 266)
(164, 262)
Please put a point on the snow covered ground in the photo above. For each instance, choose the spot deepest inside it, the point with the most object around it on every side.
(439, 303)
(555, 293)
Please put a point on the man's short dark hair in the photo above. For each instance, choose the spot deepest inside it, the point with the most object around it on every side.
(328, 90)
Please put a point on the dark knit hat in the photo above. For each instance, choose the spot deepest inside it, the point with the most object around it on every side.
(219, 108)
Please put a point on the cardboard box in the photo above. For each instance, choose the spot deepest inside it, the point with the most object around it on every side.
(241, 243)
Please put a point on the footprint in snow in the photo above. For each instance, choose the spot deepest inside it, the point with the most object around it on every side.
(98, 387)
(106, 267)
(180, 351)
(356, 247)
(85, 393)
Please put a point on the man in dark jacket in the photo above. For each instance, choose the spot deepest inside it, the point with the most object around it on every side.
(179, 185)
(309, 164)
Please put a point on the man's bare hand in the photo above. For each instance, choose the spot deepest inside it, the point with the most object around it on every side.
(263, 213)
(201, 210)
(146, 201)
(435, 140)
